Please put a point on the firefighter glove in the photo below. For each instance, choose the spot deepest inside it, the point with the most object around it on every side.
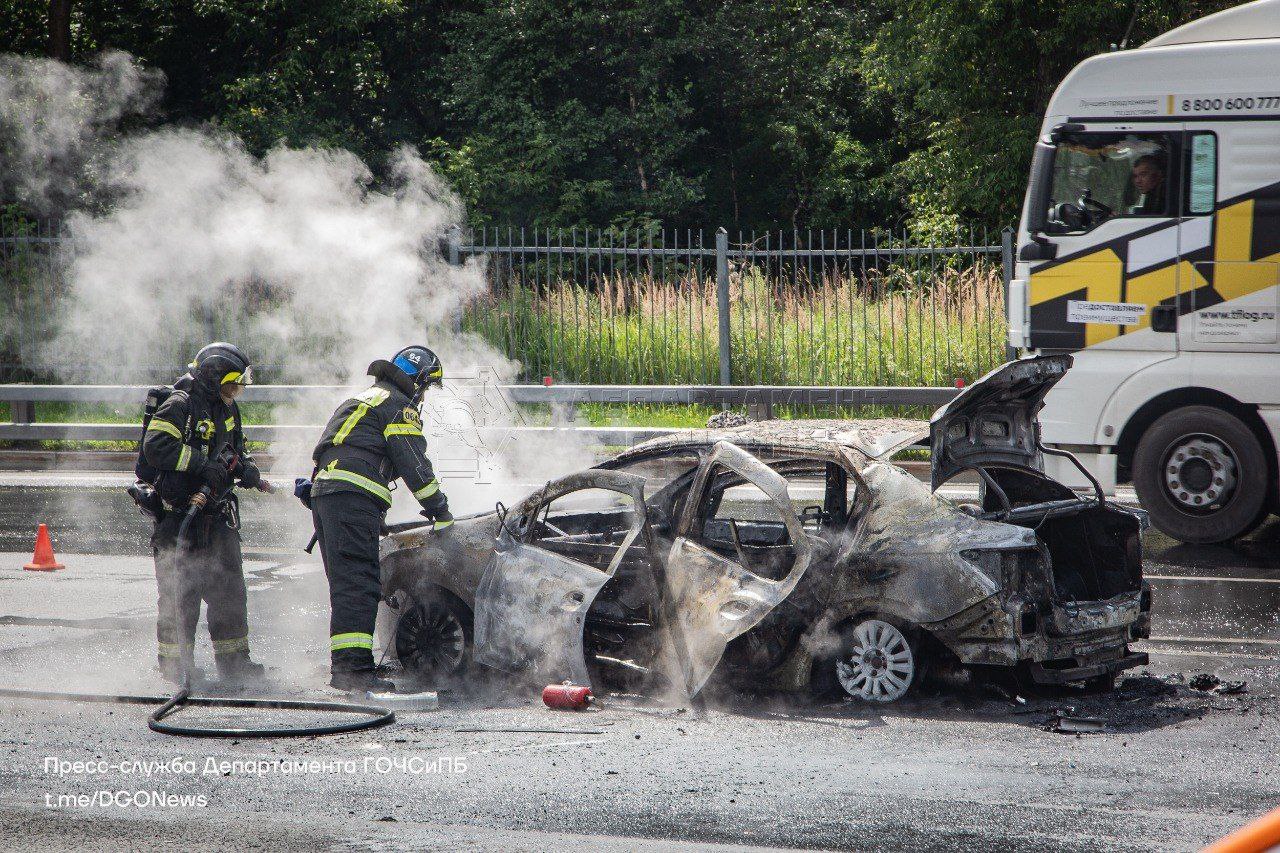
(216, 477)
(250, 476)
(302, 491)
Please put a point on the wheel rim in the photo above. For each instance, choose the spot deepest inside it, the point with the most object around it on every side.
(430, 640)
(1200, 473)
(879, 667)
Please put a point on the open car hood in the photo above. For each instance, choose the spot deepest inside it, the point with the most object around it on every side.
(993, 421)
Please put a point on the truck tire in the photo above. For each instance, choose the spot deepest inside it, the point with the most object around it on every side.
(1202, 475)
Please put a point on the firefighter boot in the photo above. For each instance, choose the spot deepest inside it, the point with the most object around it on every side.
(360, 681)
(178, 671)
(237, 668)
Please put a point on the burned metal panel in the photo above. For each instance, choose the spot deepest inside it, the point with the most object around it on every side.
(906, 549)
(711, 599)
(1073, 618)
(531, 603)
(876, 438)
(454, 560)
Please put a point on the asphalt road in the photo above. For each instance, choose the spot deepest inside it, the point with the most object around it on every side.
(963, 769)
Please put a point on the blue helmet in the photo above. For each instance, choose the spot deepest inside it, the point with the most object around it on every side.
(421, 365)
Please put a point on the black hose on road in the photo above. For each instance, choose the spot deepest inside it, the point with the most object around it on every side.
(374, 716)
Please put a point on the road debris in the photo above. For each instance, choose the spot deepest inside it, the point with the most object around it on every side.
(1203, 681)
(1208, 683)
(1065, 723)
(727, 420)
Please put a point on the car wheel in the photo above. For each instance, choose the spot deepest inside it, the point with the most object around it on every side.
(434, 636)
(1201, 474)
(878, 661)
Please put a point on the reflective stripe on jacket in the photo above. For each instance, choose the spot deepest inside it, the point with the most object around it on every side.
(371, 440)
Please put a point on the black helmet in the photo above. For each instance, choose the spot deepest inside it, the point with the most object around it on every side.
(421, 365)
(219, 363)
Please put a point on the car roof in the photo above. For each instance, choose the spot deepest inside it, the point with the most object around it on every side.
(877, 438)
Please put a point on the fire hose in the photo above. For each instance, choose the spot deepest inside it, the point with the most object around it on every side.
(374, 716)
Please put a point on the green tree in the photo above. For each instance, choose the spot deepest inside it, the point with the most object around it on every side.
(968, 82)
(790, 137)
(572, 112)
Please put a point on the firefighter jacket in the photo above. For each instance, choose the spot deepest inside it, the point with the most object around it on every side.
(188, 429)
(373, 438)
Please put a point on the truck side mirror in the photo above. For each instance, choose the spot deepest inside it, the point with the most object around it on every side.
(1039, 249)
(1038, 194)
(1058, 131)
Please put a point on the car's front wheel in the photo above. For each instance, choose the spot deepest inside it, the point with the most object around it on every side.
(878, 661)
(434, 636)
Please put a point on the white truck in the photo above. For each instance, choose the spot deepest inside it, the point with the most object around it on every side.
(1149, 247)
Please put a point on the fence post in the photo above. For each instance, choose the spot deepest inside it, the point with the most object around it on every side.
(453, 240)
(1006, 273)
(722, 305)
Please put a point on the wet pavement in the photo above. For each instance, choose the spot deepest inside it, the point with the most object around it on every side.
(961, 768)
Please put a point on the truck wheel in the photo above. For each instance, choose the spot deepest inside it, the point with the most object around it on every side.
(1202, 475)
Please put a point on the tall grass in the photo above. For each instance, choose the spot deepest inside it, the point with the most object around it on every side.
(900, 326)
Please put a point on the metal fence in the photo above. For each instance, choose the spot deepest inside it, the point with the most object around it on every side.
(627, 307)
(821, 307)
(31, 264)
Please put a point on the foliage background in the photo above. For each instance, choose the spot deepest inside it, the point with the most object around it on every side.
(914, 114)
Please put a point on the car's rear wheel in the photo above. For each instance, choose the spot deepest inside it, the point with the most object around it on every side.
(878, 661)
(1201, 474)
(434, 636)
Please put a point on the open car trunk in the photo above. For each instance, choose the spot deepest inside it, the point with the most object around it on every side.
(1094, 549)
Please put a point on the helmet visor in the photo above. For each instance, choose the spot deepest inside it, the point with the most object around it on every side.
(237, 377)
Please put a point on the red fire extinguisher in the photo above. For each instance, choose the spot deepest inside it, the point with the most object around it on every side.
(567, 696)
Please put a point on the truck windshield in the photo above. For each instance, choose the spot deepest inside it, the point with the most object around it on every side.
(1100, 176)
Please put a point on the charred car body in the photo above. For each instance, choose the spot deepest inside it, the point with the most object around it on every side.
(791, 555)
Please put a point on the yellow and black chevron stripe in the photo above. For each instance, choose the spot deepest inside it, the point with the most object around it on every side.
(1232, 253)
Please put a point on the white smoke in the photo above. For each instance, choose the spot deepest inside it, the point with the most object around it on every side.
(295, 256)
(301, 257)
(305, 259)
(55, 120)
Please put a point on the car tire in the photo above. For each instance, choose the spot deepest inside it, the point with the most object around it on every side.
(1202, 475)
(880, 660)
(433, 636)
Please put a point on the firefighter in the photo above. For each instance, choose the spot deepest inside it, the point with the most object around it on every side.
(195, 440)
(372, 438)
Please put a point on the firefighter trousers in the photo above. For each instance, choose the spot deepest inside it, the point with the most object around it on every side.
(213, 572)
(347, 527)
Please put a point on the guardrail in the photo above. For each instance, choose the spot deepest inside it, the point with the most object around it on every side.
(759, 400)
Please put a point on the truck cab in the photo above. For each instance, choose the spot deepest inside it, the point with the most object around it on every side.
(1149, 248)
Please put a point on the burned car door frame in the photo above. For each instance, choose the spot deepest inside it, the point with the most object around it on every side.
(532, 603)
(709, 598)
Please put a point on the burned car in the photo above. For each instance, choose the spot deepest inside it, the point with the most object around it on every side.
(790, 555)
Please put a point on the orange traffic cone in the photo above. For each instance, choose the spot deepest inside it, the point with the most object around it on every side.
(43, 561)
